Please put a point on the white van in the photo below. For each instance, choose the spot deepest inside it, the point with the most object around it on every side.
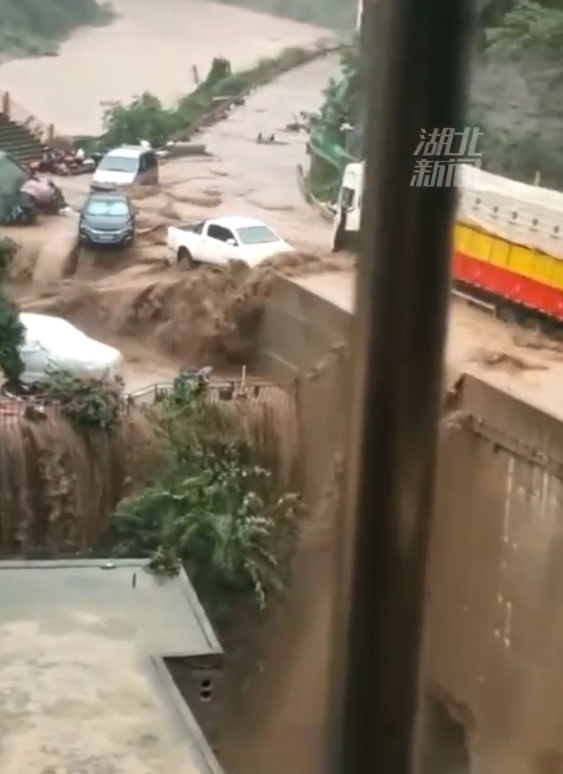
(128, 165)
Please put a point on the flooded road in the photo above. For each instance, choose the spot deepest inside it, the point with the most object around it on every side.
(240, 177)
(243, 177)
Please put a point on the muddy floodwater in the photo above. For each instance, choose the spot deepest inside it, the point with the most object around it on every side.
(149, 47)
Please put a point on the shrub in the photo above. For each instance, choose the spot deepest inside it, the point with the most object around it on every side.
(90, 403)
(214, 510)
(11, 329)
(146, 118)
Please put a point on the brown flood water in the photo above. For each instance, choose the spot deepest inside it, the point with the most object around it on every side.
(149, 47)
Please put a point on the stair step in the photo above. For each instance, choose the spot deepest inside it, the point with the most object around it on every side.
(18, 141)
(16, 130)
(22, 138)
(8, 129)
(19, 138)
(20, 145)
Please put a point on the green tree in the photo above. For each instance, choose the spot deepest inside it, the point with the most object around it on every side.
(530, 31)
(525, 34)
(529, 37)
(88, 403)
(213, 509)
(11, 329)
(144, 118)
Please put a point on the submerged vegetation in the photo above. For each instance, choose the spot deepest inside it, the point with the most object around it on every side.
(87, 403)
(146, 118)
(11, 330)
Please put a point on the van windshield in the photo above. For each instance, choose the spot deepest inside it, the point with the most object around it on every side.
(119, 164)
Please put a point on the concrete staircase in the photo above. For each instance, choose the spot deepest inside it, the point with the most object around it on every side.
(19, 141)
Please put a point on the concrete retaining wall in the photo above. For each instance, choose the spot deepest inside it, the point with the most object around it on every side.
(495, 613)
(298, 329)
(495, 609)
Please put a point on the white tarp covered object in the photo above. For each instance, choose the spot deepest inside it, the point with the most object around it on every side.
(52, 344)
(526, 214)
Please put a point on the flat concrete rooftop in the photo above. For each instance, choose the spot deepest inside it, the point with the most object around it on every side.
(83, 687)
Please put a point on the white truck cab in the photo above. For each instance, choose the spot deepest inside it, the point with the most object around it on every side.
(348, 208)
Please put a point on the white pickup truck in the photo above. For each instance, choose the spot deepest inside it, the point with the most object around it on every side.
(223, 241)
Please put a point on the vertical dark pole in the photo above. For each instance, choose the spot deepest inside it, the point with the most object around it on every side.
(416, 81)
(363, 35)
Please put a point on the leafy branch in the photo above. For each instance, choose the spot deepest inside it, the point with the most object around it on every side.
(146, 118)
(11, 329)
(530, 29)
(213, 510)
(89, 403)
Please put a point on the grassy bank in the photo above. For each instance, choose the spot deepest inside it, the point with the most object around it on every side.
(330, 14)
(36, 27)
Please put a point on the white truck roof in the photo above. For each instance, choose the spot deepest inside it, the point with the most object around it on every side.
(236, 222)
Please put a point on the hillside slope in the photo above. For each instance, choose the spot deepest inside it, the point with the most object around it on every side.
(36, 26)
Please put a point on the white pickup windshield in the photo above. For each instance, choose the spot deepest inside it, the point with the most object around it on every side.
(256, 235)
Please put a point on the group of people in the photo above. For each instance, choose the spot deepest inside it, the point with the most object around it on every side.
(58, 162)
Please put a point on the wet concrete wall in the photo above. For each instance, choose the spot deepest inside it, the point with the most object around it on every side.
(495, 613)
(300, 339)
(298, 329)
(495, 604)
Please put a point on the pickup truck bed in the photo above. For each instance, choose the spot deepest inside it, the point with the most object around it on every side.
(187, 226)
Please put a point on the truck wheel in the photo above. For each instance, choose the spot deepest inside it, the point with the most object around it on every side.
(345, 241)
(339, 242)
(185, 258)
